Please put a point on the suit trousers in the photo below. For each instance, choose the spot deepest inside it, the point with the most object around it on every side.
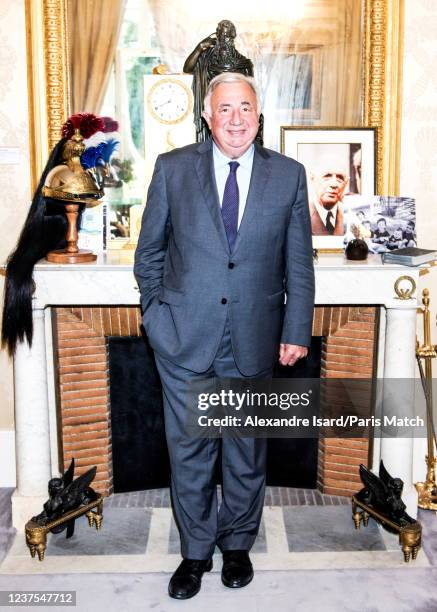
(202, 526)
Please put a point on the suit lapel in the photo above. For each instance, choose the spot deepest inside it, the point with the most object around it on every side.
(258, 182)
(206, 176)
(339, 221)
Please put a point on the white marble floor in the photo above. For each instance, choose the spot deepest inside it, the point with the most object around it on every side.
(300, 587)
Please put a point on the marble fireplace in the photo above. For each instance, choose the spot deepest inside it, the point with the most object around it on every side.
(62, 381)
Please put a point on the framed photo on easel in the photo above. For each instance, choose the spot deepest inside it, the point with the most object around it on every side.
(340, 166)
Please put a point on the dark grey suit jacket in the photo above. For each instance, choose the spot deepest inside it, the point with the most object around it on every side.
(189, 279)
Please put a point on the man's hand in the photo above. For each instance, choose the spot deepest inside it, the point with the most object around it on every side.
(290, 353)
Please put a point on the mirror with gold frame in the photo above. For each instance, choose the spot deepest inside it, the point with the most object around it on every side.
(341, 59)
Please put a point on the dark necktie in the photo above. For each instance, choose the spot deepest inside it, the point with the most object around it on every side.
(329, 224)
(230, 204)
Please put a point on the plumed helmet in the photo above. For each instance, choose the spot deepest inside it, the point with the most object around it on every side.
(70, 181)
(69, 177)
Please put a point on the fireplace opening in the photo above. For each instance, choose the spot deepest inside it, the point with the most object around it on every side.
(347, 336)
(292, 462)
(139, 451)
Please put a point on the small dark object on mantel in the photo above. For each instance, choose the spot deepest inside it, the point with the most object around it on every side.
(357, 249)
(381, 499)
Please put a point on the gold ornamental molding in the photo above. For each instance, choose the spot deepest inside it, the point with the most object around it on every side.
(383, 57)
(47, 77)
(46, 24)
(56, 54)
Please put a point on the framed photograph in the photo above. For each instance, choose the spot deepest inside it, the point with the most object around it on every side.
(340, 167)
(389, 222)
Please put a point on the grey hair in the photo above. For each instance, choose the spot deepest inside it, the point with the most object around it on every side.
(230, 77)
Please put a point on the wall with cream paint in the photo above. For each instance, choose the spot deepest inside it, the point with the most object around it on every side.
(418, 154)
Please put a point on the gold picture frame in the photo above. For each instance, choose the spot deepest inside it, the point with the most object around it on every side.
(48, 82)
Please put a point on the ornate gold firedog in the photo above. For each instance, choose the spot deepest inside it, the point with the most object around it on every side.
(410, 536)
(36, 535)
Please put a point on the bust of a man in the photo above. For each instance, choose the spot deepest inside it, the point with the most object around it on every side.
(212, 56)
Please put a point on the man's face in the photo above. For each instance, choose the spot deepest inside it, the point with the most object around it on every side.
(330, 187)
(233, 118)
(381, 225)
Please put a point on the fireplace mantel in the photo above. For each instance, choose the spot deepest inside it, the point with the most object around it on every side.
(110, 281)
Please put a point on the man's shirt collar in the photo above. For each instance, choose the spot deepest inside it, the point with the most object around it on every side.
(323, 213)
(221, 160)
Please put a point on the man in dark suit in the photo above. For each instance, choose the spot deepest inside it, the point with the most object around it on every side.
(225, 235)
(326, 210)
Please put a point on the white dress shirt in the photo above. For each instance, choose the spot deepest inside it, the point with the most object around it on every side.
(323, 212)
(244, 172)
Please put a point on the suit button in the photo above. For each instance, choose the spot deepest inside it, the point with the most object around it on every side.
(231, 265)
(224, 301)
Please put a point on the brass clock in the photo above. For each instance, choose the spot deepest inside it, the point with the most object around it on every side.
(169, 101)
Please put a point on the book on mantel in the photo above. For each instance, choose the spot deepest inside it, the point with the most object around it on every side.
(409, 256)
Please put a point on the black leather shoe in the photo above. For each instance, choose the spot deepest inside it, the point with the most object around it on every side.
(237, 570)
(187, 579)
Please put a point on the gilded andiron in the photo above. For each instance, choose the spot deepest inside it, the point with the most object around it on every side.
(381, 499)
(68, 500)
(427, 352)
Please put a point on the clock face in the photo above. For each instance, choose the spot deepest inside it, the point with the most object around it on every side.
(169, 101)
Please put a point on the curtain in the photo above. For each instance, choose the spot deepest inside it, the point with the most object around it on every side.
(93, 29)
(349, 63)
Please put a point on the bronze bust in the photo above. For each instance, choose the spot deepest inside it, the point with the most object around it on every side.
(212, 56)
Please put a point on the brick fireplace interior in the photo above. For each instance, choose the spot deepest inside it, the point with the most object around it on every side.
(349, 340)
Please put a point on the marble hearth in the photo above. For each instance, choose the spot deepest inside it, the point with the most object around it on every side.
(361, 294)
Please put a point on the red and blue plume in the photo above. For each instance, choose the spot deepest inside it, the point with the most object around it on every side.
(87, 124)
(90, 157)
(105, 135)
(108, 149)
(111, 125)
(99, 155)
